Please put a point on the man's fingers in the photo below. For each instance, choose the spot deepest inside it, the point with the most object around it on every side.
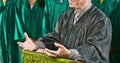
(26, 35)
(48, 53)
(20, 43)
(59, 45)
(51, 51)
(30, 49)
(25, 48)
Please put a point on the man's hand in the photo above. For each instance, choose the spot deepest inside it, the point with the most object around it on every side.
(61, 52)
(28, 44)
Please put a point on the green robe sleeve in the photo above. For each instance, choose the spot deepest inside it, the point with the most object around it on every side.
(19, 20)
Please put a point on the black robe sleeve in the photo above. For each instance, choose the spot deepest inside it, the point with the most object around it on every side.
(54, 36)
(97, 45)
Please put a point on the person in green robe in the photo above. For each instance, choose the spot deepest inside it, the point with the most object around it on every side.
(7, 19)
(52, 10)
(115, 20)
(106, 6)
(28, 18)
(29, 15)
(82, 33)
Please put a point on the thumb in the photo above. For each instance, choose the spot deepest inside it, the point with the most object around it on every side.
(26, 35)
(59, 45)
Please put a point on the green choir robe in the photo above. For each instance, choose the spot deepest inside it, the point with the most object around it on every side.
(90, 36)
(53, 9)
(115, 19)
(28, 20)
(106, 6)
(8, 45)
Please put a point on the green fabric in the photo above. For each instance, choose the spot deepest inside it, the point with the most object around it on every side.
(9, 47)
(115, 19)
(53, 9)
(0, 30)
(1, 8)
(0, 33)
(19, 20)
(0, 36)
(28, 20)
(106, 6)
(8, 44)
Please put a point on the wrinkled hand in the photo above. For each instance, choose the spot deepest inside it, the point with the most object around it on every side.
(61, 52)
(28, 44)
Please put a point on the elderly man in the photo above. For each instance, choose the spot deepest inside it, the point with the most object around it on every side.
(82, 33)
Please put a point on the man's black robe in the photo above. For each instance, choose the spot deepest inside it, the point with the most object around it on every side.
(90, 36)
